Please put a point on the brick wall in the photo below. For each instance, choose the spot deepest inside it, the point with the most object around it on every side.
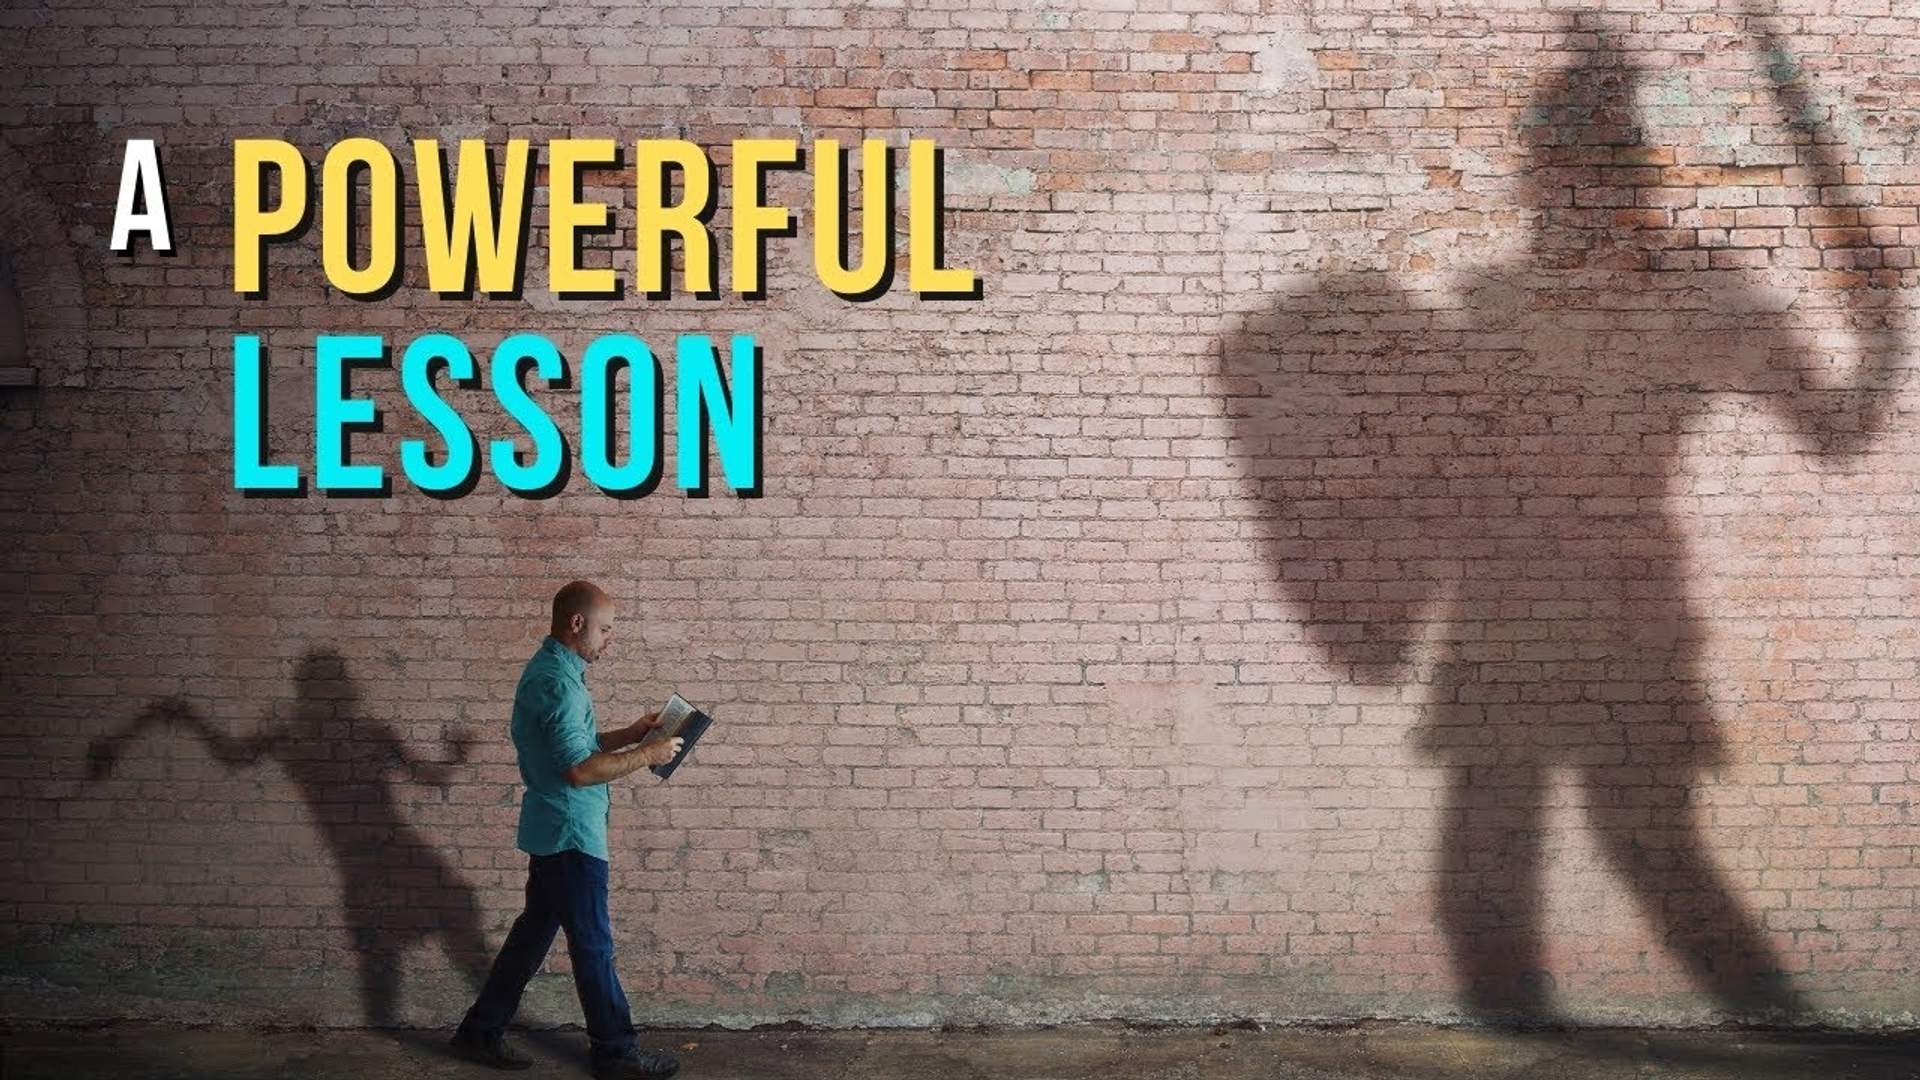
(1422, 522)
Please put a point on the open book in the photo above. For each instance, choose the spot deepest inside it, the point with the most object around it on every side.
(678, 718)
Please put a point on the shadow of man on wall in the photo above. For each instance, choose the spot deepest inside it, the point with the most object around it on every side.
(1467, 487)
(397, 891)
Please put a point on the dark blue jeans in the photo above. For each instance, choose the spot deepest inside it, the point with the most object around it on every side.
(567, 889)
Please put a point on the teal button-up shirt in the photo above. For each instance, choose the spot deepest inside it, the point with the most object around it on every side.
(554, 729)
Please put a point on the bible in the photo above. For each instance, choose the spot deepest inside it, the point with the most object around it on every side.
(682, 720)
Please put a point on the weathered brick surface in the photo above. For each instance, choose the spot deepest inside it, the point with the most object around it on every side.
(1427, 493)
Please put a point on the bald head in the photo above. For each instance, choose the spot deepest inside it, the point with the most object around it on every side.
(582, 618)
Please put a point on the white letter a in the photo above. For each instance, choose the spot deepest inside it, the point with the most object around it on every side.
(141, 176)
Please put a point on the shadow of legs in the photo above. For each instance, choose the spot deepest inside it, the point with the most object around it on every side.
(1489, 905)
(1650, 837)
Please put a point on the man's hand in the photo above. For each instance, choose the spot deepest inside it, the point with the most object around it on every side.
(637, 730)
(660, 751)
(610, 765)
(633, 734)
(616, 760)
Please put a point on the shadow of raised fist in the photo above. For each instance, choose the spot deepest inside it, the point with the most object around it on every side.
(104, 752)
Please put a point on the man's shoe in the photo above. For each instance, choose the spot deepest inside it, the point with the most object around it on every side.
(492, 1052)
(638, 1065)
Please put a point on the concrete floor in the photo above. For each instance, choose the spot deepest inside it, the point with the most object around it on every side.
(1364, 1052)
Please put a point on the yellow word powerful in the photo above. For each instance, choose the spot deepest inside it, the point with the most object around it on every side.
(478, 233)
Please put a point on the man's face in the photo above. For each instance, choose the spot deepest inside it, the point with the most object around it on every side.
(596, 632)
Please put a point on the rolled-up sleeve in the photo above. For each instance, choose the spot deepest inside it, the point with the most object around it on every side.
(565, 725)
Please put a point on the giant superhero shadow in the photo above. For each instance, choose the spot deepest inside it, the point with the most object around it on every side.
(1467, 489)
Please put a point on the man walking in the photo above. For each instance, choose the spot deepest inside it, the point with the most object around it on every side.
(566, 763)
